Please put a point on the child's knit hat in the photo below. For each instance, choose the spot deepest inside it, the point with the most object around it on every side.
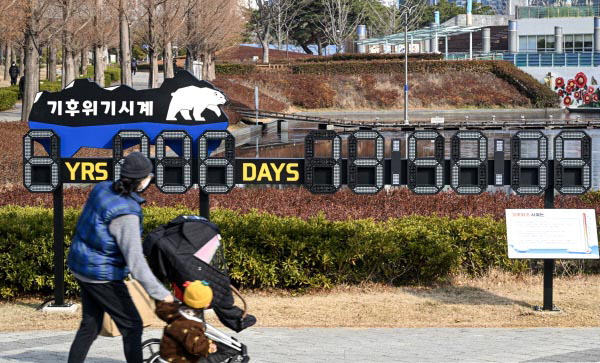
(197, 294)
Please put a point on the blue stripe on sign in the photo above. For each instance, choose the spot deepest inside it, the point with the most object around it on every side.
(74, 138)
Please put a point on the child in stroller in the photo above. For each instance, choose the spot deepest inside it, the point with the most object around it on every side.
(183, 338)
(189, 249)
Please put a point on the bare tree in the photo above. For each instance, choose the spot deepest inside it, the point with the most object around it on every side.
(172, 19)
(39, 19)
(124, 45)
(389, 20)
(149, 35)
(284, 12)
(211, 25)
(99, 43)
(337, 22)
(52, 57)
(262, 21)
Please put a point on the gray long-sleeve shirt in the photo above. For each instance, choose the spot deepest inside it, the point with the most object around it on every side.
(126, 230)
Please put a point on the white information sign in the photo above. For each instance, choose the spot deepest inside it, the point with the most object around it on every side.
(552, 233)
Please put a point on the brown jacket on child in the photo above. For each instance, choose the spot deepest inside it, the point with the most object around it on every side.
(183, 339)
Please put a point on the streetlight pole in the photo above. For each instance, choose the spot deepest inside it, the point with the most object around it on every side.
(407, 11)
(406, 67)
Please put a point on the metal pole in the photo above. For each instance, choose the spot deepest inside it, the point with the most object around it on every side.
(204, 204)
(406, 51)
(256, 107)
(59, 249)
(549, 263)
(446, 46)
(470, 45)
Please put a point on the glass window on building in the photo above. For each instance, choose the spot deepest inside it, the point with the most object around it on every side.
(588, 43)
(541, 43)
(523, 44)
(531, 43)
(578, 43)
(549, 43)
(568, 46)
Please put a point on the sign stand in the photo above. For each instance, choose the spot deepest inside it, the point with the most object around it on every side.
(204, 204)
(58, 305)
(548, 263)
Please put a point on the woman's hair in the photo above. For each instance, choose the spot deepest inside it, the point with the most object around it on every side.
(126, 186)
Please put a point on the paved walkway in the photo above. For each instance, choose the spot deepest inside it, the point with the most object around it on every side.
(278, 345)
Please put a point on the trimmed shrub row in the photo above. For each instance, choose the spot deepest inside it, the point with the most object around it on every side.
(8, 98)
(111, 74)
(350, 56)
(266, 251)
(234, 69)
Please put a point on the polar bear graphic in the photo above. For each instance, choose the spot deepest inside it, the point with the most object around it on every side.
(194, 99)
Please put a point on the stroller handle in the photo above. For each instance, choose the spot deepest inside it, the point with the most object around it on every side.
(241, 298)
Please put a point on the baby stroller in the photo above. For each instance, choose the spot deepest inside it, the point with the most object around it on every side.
(186, 249)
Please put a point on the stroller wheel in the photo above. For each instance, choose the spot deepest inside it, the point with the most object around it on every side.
(150, 350)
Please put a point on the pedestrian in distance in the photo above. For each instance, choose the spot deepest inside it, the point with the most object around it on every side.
(133, 66)
(13, 72)
(106, 247)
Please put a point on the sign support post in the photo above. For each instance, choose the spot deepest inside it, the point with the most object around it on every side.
(204, 204)
(59, 252)
(549, 263)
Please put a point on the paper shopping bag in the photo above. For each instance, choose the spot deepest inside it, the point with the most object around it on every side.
(142, 301)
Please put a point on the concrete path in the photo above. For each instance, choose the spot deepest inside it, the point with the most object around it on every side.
(278, 345)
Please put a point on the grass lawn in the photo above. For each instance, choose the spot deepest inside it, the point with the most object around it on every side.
(495, 300)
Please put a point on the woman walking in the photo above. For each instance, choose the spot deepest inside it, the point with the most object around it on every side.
(105, 249)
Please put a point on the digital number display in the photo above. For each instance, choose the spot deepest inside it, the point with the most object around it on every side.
(122, 141)
(529, 171)
(222, 168)
(468, 175)
(323, 170)
(41, 174)
(426, 175)
(572, 175)
(323, 175)
(174, 173)
(365, 175)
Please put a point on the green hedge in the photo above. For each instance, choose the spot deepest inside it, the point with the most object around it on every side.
(234, 69)
(264, 250)
(111, 74)
(8, 98)
(50, 86)
(350, 56)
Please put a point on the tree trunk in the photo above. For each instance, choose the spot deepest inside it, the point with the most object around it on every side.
(168, 60)
(152, 53)
(153, 79)
(99, 64)
(77, 64)
(8, 54)
(52, 64)
(68, 67)
(306, 48)
(208, 67)
(319, 47)
(265, 48)
(124, 46)
(22, 61)
(190, 57)
(85, 60)
(32, 64)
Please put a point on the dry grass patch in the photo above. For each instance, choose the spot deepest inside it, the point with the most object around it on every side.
(496, 300)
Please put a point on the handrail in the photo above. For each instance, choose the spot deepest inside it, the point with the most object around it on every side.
(493, 125)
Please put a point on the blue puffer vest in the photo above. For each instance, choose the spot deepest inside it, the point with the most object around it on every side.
(94, 251)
